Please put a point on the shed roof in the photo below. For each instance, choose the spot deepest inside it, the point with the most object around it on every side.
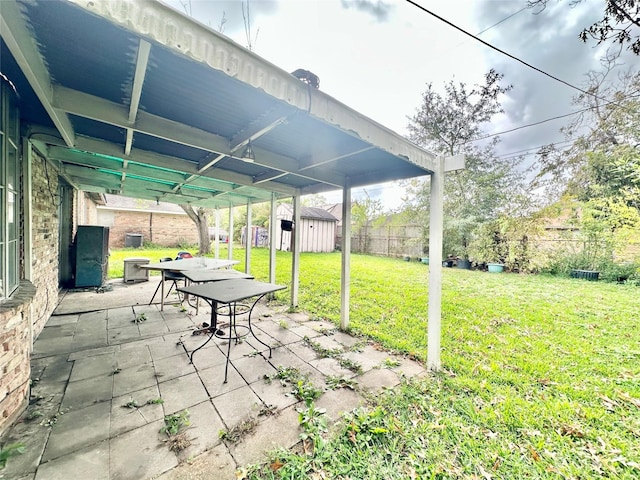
(315, 213)
(134, 98)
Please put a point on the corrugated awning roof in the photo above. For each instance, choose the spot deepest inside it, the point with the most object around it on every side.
(132, 97)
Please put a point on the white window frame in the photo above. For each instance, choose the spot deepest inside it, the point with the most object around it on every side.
(10, 190)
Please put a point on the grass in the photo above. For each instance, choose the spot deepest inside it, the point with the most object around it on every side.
(540, 379)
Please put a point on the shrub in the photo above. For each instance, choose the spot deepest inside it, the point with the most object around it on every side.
(616, 272)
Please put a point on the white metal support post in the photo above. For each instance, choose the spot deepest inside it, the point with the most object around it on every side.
(295, 260)
(345, 274)
(230, 237)
(217, 235)
(273, 224)
(435, 266)
(247, 241)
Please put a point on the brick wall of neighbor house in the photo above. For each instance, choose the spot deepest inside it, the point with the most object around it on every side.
(24, 315)
(163, 229)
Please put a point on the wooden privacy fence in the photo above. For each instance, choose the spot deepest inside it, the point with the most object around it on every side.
(388, 240)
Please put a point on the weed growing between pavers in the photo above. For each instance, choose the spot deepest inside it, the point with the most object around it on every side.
(139, 319)
(174, 425)
(236, 434)
(10, 450)
(134, 404)
(334, 383)
(335, 353)
(391, 362)
(246, 426)
(303, 389)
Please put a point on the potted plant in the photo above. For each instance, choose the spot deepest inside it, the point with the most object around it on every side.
(425, 252)
(457, 237)
(487, 245)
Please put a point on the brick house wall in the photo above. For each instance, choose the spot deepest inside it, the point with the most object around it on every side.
(23, 317)
(45, 244)
(15, 353)
(164, 229)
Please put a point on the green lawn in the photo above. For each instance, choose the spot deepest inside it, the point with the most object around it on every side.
(541, 375)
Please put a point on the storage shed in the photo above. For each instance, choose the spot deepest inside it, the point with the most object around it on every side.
(317, 229)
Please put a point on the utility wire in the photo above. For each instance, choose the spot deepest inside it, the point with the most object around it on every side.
(490, 27)
(499, 22)
(582, 110)
(501, 51)
(530, 150)
(530, 125)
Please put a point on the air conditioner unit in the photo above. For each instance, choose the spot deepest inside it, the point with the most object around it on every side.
(133, 273)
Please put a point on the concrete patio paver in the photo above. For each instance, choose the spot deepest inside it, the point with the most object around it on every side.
(90, 462)
(238, 405)
(134, 378)
(125, 416)
(75, 429)
(204, 431)
(278, 431)
(94, 373)
(140, 453)
(181, 393)
(216, 463)
(88, 392)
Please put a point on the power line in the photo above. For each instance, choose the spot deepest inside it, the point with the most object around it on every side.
(501, 21)
(530, 150)
(555, 118)
(530, 125)
(513, 57)
(490, 27)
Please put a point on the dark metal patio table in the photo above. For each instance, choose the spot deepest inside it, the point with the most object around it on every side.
(185, 264)
(230, 293)
(204, 276)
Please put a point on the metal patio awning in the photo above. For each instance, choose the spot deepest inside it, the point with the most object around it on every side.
(134, 98)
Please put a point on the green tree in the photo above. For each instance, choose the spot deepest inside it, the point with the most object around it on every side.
(603, 156)
(601, 169)
(199, 217)
(260, 213)
(451, 124)
(314, 200)
(620, 23)
(364, 213)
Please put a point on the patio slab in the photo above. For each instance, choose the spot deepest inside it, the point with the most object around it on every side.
(103, 384)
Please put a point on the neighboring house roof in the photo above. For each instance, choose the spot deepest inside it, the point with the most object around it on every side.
(335, 210)
(97, 198)
(118, 202)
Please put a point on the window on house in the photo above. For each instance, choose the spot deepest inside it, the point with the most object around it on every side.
(9, 189)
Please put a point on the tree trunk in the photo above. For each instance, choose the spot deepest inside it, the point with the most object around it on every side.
(199, 217)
